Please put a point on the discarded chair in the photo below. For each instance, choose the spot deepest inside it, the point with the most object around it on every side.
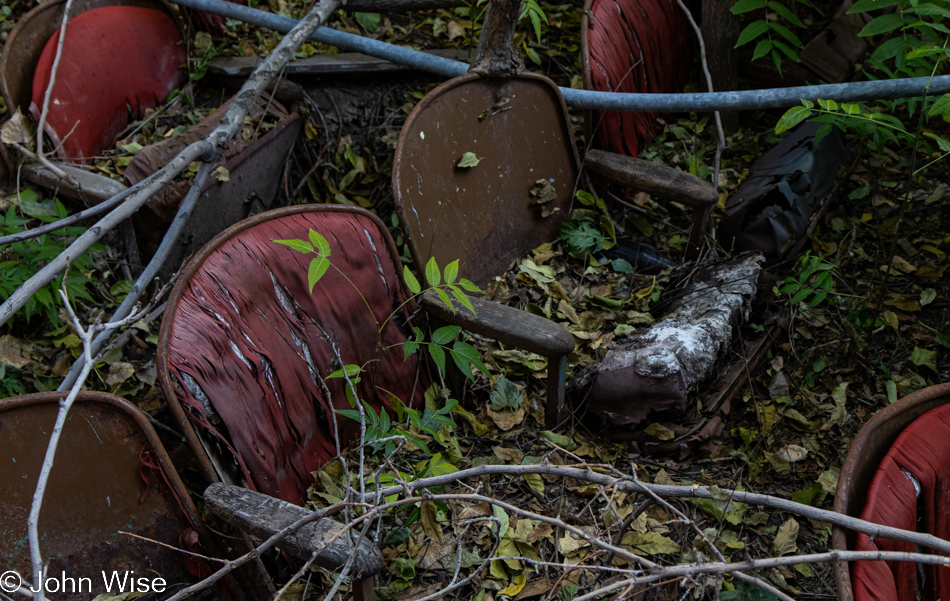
(521, 188)
(245, 349)
(113, 498)
(87, 123)
(632, 46)
(893, 475)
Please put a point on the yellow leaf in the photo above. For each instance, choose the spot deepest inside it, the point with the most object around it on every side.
(650, 543)
(515, 587)
(904, 303)
(430, 522)
(659, 431)
(785, 540)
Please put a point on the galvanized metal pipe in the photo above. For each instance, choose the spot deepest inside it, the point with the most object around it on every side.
(588, 99)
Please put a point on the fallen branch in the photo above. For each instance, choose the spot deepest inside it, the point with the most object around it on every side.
(627, 484)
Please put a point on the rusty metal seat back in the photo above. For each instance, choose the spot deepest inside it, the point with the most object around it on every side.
(245, 347)
(867, 451)
(96, 489)
(485, 216)
(22, 49)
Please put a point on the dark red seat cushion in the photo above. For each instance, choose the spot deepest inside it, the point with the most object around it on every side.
(910, 491)
(636, 46)
(117, 61)
(254, 340)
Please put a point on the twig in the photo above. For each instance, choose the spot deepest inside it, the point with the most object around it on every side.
(676, 491)
(51, 84)
(85, 335)
(102, 207)
(173, 548)
(702, 55)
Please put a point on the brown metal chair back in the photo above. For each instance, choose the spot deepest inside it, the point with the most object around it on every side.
(485, 215)
(111, 476)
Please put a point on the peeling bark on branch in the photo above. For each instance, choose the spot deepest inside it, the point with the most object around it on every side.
(496, 55)
(655, 369)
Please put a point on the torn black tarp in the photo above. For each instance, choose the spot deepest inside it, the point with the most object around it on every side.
(771, 210)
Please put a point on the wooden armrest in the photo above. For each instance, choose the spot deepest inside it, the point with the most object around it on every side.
(263, 516)
(511, 326)
(659, 180)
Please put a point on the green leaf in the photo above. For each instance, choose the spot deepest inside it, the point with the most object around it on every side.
(318, 267)
(930, 10)
(924, 358)
(924, 51)
(320, 243)
(469, 160)
(801, 295)
(465, 353)
(369, 21)
(581, 237)
(941, 106)
(943, 336)
(468, 285)
(438, 355)
(445, 299)
(445, 335)
(762, 49)
(585, 198)
(506, 395)
(828, 105)
(297, 245)
(851, 109)
(786, 33)
(350, 371)
(791, 118)
(744, 6)
(433, 276)
(786, 51)
(451, 271)
(863, 6)
(462, 298)
(411, 282)
(752, 31)
(882, 24)
(787, 14)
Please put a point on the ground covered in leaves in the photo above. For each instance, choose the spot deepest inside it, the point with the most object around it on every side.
(881, 332)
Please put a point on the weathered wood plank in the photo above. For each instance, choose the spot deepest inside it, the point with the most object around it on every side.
(263, 516)
(326, 64)
(505, 324)
(661, 181)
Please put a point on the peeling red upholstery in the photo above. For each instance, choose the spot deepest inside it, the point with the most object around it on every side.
(636, 46)
(921, 452)
(247, 332)
(117, 61)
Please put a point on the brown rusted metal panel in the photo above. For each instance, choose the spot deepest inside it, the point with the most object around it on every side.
(484, 216)
(26, 41)
(867, 450)
(95, 491)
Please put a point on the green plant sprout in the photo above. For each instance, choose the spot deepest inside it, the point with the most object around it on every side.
(381, 431)
(770, 44)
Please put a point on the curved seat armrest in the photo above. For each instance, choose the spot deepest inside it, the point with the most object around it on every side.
(263, 516)
(511, 326)
(519, 329)
(659, 180)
